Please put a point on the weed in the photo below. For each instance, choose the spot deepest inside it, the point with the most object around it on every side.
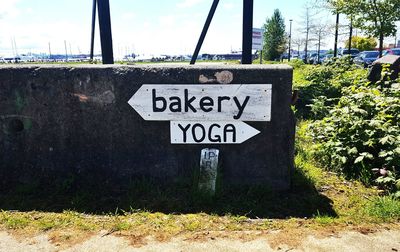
(12, 221)
(385, 208)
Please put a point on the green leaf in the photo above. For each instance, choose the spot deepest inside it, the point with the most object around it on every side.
(359, 159)
(352, 151)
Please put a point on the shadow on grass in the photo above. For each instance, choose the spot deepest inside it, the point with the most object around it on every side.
(98, 197)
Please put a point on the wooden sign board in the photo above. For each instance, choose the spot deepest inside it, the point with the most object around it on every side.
(210, 132)
(188, 102)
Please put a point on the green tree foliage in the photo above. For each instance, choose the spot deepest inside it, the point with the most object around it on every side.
(274, 36)
(375, 17)
(362, 43)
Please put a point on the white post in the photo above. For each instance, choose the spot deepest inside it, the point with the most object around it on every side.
(208, 171)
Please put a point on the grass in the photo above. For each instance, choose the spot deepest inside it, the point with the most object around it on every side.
(319, 199)
(385, 208)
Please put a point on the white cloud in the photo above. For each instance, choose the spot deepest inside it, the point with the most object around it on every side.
(189, 3)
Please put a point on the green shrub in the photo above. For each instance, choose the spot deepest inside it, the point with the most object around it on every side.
(296, 63)
(322, 86)
(362, 133)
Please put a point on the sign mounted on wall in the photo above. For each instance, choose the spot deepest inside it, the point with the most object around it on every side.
(211, 132)
(203, 102)
(205, 114)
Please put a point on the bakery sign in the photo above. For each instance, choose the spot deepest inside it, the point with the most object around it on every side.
(205, 114)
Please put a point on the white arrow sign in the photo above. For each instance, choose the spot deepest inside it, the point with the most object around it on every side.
(194, 132)
(167, 102)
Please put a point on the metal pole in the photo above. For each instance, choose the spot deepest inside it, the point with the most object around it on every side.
(93, 29)
(336, 35)
(290, 37)
(103, 7)
(261, 56)
(247, 31)
(204, 32)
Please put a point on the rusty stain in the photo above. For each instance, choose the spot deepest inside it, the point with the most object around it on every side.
(82, 97)
(107, 97)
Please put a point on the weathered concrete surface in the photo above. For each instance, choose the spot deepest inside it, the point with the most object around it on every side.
(384, 240)
(58, 120)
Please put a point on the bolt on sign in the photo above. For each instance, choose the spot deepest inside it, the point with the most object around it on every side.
(205, 114)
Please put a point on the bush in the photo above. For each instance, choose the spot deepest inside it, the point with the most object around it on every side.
(296, 63)
(324, 86)
(361, 133)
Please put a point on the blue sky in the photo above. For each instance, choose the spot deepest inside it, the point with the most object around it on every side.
(144, 27)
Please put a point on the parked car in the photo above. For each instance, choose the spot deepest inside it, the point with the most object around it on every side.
(392, 51)
(366, 58)
(317, 60)
(311, 58)
(352, 52)
(326, 58)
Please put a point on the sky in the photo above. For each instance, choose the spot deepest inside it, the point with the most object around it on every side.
(150, 27)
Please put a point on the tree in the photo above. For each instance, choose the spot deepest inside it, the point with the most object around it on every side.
(375, 17)
(319, 32)
(307, 25)
(274, 36)
(362, 43)
(299, 42)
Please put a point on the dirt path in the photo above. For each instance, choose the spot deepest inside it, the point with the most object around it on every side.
(344, 241)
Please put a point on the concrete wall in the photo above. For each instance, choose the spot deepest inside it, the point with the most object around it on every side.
(58, 120)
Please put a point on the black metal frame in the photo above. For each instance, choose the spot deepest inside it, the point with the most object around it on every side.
(103, 8)
(247, 31)
(204, 32)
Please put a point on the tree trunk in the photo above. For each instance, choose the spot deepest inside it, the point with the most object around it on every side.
(351, 32)
(319, 48)
(305, 48)
(380, 43)
(336, 35)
